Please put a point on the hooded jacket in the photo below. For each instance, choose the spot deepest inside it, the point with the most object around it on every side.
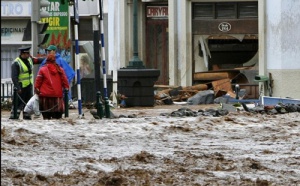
(51, 80)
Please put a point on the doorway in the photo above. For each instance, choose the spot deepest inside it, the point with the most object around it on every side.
(157, 52)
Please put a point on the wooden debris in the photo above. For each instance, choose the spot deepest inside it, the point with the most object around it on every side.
(223, 85)
(213, 75)
(183, 92)
(196, 87)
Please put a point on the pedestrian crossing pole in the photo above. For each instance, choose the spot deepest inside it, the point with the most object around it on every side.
(107, 111)
(76, 16)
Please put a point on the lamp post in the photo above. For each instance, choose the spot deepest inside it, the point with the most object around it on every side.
(136, 82)
(135, 61)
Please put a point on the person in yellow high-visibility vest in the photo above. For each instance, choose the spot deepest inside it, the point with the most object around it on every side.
(22, 77)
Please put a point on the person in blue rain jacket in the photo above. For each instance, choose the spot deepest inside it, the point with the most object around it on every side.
(70, 73)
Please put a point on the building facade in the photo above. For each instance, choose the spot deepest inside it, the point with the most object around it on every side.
(184, 38)
(14, 19)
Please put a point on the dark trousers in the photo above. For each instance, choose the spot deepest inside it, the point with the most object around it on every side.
(52, 115)
(22, 100)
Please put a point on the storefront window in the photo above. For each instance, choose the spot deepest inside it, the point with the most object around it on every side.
(8, 54)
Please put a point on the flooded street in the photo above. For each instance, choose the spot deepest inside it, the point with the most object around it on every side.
(240, 148)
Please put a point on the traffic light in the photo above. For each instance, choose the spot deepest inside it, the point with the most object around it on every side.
(42, 37)
(39, 9)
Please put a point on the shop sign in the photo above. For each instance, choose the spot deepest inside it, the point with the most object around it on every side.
(15, 9)
(157, 11)
(13, 31)
(5, 31)
(224, 27)
(58, 29)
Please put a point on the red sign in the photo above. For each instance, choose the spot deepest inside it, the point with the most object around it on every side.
(157, 11)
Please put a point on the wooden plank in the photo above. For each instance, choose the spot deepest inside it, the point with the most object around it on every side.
(165, 86)
(214, 75)
(196, 87)
(223, 84)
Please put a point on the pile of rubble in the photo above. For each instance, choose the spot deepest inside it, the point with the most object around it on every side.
(196, 94)
(227, 108)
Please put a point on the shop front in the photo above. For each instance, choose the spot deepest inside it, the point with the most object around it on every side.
(14, 19)
(225, 39)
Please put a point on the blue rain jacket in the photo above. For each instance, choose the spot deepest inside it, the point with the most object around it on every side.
(61, 62)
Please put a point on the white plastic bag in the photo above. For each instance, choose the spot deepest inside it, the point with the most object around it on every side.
(32, 106)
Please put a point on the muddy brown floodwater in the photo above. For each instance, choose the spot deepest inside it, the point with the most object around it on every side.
(240, 148)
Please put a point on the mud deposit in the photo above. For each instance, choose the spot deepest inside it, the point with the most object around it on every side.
(152, 150)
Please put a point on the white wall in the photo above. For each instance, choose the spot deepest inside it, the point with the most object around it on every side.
(184, 44)
(283, 27)
(282, 40)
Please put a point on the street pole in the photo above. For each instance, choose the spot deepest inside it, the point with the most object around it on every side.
(135, 81)
(76, 16)
(34, 38)
(97, 65)
(107, 111)
(96, 52)
(135, 61)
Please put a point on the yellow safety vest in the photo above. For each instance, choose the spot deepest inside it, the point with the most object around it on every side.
(24, 77)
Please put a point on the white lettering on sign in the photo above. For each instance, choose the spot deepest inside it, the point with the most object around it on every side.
(224, 27)
(9, 31)
(13, 31)
(157, 11)
(15, 8)
(53, 7)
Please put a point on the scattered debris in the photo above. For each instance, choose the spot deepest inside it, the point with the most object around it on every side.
(196, 94)
(187, 112)
(227, 108)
